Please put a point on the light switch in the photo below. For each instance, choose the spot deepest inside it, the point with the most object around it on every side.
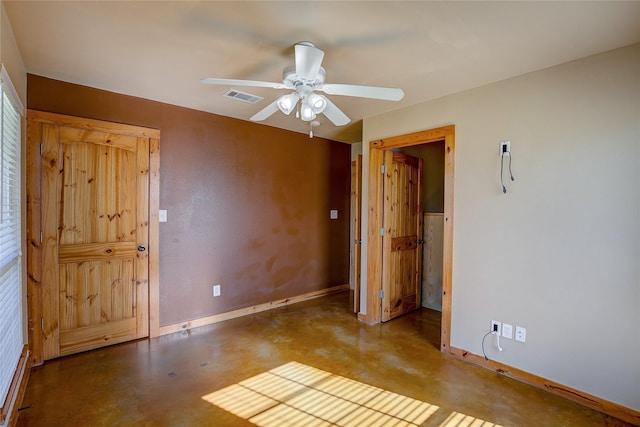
(333, 214)
(162, 215)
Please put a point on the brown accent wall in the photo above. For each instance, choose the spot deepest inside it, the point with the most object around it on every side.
(248, 205)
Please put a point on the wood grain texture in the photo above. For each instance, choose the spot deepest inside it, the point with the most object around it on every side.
(355, 231)
(95, 222)
(374, 258)
(141, 188)
(374, 247)
(79, 136)
(154, 238)
(611, 408)
(33, 245)
(415, 138)
(447, 243)
(93, 125)
(96, 251)
(405, 243)
(402, 219)
(51, 182)
(83, 339)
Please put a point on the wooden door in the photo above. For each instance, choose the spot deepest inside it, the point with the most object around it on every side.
(356, 233)
(402, 244)
(94, 222)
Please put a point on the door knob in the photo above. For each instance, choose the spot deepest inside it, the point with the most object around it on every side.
(141, 248)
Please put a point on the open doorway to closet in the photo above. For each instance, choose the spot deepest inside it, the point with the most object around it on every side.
(377, 278)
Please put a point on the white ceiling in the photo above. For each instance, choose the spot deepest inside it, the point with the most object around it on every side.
(160, 50)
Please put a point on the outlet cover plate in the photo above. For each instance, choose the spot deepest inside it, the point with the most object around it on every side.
(216, 290)
(507, 331)
(495, 322)
(521, 334)
(505, 148)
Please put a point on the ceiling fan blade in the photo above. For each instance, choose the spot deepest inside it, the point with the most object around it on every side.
(266, 112)
(233, 82)
(333, 113)
(374, 92)
(308, 60)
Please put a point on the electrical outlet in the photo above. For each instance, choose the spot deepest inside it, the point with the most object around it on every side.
(496, 327)
(216, 290)
(505, 148)
(507, 331)
(521, 334)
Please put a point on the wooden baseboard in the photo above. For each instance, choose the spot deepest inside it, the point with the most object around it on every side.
(610, 408)
(9, 409)
(183, 326)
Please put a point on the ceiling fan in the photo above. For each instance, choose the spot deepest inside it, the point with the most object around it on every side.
(306, 77)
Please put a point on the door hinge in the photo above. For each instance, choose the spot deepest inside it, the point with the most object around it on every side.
(382, 231)
(41, 149)
(42, 323)
(381, 293)
(41, 237)
(383, 169)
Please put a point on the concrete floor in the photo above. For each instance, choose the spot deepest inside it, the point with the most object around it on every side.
(173, 380)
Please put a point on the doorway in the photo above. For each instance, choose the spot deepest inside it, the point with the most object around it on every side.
(376, 205)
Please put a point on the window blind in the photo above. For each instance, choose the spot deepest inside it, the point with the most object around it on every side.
(11, 336)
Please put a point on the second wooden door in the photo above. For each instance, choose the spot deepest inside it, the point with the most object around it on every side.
(402, 241)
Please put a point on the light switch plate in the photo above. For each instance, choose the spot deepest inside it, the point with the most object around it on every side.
(162, 215)
(333, 214)
(507, 331)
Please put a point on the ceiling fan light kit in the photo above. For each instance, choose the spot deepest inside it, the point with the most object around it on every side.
(304, 78)
(287, 103)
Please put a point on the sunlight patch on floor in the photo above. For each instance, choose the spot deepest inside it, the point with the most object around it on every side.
(295, 394)
(457, 419)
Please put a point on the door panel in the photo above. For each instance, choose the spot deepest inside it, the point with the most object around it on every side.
(95, 215)
(402, 219)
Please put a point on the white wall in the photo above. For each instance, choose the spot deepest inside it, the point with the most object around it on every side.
(560, 253)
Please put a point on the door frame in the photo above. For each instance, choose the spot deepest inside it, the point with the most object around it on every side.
(375, 210)
(355, 231)
(34, 225)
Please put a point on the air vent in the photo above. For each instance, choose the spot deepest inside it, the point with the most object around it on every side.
(242, 96)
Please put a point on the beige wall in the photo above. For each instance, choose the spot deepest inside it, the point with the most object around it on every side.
(10, 56)
(560, 253)
(12, 61)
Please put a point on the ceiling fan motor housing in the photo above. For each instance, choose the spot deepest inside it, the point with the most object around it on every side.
(293, 80)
